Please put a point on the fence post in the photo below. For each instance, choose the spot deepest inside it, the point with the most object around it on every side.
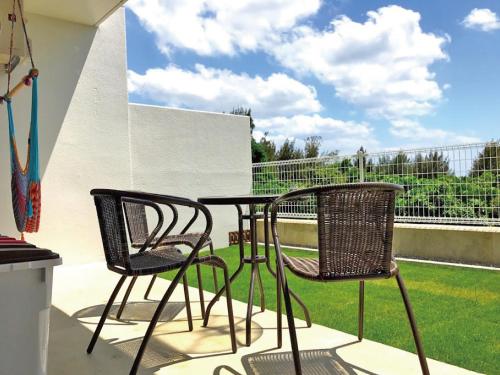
(361, 164)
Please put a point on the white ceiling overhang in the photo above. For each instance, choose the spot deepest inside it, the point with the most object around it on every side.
(87, 12)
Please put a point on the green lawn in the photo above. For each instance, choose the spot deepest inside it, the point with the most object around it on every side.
(457, 309)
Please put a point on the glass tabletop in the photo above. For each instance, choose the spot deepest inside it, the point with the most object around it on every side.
(239, 199)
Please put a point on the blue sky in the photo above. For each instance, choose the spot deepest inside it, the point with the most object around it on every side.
(374, 73)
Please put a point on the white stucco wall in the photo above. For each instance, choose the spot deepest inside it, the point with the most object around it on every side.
(87, 140)
(192, 154)
(83, 130)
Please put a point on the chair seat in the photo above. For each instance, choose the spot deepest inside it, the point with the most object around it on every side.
(309, 268)
(189, 239)
(162, 259)
(154, 261)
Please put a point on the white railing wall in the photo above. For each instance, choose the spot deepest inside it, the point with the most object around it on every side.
(446, 185)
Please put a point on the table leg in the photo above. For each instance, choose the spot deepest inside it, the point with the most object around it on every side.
(261, 290)
(236, 273)
(271, 271)
(254, 243)
(250, 306)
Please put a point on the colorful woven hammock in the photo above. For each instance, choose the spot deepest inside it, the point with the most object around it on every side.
(25, 181)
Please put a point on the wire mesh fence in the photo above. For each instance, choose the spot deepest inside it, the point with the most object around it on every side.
(446, 185)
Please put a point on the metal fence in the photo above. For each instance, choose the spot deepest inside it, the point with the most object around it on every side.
(446, 185)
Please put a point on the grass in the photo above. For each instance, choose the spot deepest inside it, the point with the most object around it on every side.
(457, 309)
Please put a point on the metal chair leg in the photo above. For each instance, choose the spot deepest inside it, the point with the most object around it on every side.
(188, 304)
(413, 324)
(154, 321)
(361, 310)
(291, 328)
(150, 286)
(105, 314)
(214, 269)
(219, 294)
(200, 291)
(125, 297)
(279, 323)
(297, 299)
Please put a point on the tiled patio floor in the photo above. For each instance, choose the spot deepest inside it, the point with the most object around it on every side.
(80, 293)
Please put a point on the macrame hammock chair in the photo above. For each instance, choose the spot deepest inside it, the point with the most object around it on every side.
(25, 181)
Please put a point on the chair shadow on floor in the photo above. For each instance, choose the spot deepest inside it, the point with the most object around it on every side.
(134, 311)
(314, 362)
(171, 340)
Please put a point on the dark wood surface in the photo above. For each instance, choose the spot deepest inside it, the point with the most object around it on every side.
(238, 199)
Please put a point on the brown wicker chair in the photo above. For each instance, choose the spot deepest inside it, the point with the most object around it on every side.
(355, 227)
(151, 257)
(138, 230)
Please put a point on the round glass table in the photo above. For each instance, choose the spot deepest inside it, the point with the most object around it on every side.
(254, 259)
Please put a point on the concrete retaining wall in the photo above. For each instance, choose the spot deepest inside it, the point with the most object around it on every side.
(460, 244)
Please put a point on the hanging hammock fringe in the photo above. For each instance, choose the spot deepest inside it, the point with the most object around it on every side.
(25, 180)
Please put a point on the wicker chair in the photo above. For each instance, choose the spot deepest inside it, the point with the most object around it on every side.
(151, 258)
(138, 230)
(355, 227)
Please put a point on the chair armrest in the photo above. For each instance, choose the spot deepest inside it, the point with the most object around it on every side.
(168, 200)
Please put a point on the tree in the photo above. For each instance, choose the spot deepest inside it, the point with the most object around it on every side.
(242, 111)
(288, 151)
(269, 147)
(400, 164)
(258, 152)
(311, 147)
(487, 160)
(432, 165)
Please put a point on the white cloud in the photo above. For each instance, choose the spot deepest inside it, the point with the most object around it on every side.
(482, 19)
(416, 132)
(222, 90)
(346, 136)
(381, 65)
(211, 27)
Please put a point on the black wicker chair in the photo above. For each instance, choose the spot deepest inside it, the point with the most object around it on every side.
(151, 258)
(355, 228)
(138, 230)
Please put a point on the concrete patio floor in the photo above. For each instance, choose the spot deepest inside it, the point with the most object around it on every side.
(79, 295)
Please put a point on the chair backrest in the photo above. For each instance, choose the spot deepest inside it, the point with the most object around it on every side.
(137, 222)
(110, 206)
(355, 228)
(113, 232)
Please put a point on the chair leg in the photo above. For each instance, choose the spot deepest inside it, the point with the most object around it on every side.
(188, 303)
(154, 321)
(150, 286)
(291, 328)
(361, 311)
(307, 316)
(125, 297)
(214, 269)
(279, 323)
(200, 291)
(105, 314)
(230, 313)
(219, 294)
(413, 324)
